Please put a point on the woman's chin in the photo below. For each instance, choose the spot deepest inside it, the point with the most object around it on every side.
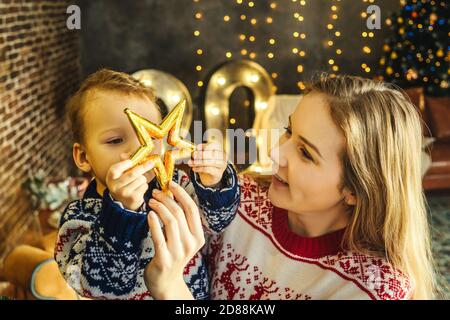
(274, 197)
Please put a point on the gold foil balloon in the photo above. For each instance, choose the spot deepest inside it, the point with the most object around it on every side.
(170, 90)
(223, 82)
(146, 130)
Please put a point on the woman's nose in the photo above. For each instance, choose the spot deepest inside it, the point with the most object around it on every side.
(277, 156)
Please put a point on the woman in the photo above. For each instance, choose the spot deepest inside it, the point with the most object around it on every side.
(344, 216)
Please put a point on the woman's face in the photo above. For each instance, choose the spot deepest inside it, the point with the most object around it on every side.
(308, 165)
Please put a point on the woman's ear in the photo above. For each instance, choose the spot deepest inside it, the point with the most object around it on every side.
(80, 158)
(349, 198)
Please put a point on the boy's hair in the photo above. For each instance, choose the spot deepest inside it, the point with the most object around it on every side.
(102, 79)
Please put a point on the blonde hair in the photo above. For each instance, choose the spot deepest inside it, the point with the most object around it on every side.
(382, 167)
(102, 79)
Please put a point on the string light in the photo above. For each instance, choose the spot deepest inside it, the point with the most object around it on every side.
(198, 16)
(365, 46)
(270, 41)
(298, 37)
(334, 34)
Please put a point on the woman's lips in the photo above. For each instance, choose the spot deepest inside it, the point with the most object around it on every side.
(279, 182)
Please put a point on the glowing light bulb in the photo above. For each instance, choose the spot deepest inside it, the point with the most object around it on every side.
(262, 105)
(214, 111)
(221, 81)
(254, 78)
(175, 98)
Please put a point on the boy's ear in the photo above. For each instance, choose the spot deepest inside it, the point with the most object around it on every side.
(349, 198)
(80, 158)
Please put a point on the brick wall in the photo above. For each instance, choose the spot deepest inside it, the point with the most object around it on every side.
(39, 68)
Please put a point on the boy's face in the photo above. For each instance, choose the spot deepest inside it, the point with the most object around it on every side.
(108, 134)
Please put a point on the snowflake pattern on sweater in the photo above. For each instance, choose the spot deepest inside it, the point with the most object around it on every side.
(102, 249)
(258, 257)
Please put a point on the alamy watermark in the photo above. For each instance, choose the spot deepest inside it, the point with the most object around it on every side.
(73, 21)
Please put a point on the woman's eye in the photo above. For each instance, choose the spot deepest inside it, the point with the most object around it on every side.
(288, 130)
(305, 154)
(115, 141)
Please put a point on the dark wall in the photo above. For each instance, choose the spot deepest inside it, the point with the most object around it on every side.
(139, 34)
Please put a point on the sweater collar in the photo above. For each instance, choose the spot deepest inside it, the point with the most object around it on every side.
(309, 247)
(91, 190)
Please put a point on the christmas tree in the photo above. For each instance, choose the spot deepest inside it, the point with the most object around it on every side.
(417, 53)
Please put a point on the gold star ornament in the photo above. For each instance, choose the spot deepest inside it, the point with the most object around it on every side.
(146, 130)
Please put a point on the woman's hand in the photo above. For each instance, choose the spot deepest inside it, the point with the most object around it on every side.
(181, 239)
(209, 161)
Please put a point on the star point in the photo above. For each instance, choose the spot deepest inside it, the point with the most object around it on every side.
(145, 130)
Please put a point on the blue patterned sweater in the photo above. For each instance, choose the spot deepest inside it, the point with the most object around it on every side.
(102, 249)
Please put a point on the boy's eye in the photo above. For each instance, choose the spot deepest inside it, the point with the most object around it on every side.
(115, 141)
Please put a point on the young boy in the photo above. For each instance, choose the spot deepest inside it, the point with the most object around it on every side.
(104, 243)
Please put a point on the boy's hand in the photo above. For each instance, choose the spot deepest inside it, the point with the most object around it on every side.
(128, 186)
(209, 161)
(180, 240)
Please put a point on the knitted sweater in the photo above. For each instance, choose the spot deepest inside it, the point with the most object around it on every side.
(258, 257)
(102, 249)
